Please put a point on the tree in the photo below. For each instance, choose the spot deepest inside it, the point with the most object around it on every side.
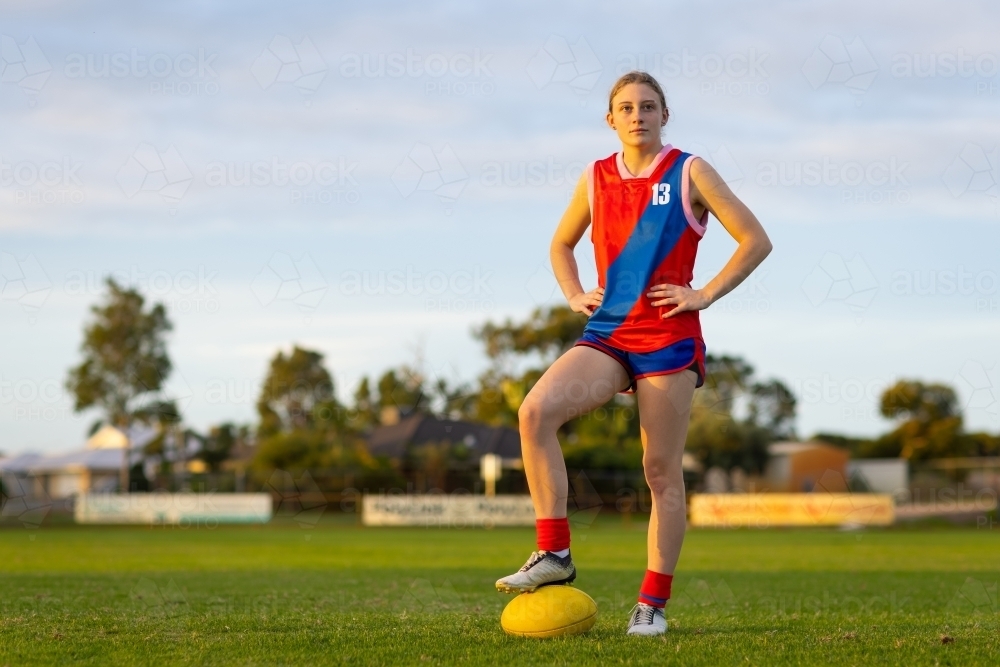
(981, 444)
(403, 390)
(772, 407)
(606, 438)
(125, 364)
(407, 390)
(216, 447)
(548, 332)
(452, 401)
(302, 425)
(719, 440)
(323, 453)
(500, 395)
(726, 379)
(912, 399)
(930, 424)
(297, 394)
(718, 436)
(433, 460)
(859, 447)
(364, 415)
(543, 336)
(292, 451)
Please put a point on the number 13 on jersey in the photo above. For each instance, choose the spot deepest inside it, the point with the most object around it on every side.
(661, 193)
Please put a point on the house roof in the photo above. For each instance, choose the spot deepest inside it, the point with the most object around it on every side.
(94, 460)
(789, 448)
(102, 452)
(19, 463)
(392, 441)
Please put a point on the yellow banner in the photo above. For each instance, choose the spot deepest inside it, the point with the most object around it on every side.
(763, 510)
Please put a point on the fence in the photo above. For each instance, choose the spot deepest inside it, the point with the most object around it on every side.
(963, 489)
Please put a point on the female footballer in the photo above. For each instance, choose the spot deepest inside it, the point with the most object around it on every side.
(647, 207)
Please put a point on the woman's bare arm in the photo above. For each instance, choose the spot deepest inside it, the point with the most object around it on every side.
(571, 228)
(709, 191)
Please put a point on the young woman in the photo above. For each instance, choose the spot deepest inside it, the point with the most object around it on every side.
(648, 206)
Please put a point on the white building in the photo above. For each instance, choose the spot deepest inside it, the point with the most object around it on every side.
(882, 475)
(94, 468)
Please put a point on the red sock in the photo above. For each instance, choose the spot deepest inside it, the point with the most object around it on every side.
(655, 589)
(553, 534)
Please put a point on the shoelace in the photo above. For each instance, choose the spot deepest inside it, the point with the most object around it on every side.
(534, 559)
(643, 614)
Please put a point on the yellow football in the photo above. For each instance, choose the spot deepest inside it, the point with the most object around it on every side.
(551, 611)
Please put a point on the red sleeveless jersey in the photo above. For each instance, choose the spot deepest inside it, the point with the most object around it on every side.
(644, 234)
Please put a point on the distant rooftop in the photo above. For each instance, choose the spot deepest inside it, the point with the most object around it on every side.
(101, 452)
(392, 441)
(788, 448)
(19, 464)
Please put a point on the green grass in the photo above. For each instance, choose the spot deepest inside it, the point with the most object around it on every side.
(340, 594)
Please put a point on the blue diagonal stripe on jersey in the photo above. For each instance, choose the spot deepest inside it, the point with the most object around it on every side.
(655, 235)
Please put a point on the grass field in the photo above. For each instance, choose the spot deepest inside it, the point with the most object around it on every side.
(339, 594)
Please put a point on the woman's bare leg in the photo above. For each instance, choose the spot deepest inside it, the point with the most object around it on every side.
(664, 412)
(579, 381)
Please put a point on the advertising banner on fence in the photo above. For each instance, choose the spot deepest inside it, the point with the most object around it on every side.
(458, 511)
(764, 510)
(194, 509)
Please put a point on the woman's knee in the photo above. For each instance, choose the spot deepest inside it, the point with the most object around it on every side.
(664, 476)
(534, 416)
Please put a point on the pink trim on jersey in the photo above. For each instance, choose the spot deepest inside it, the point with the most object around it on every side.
(626, 174)
(699, 226)
(590, 187)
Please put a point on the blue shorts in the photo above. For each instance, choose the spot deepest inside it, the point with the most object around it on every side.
(680, 356)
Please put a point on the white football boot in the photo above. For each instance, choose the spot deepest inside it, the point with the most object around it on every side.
(647, 621)
(543, 568)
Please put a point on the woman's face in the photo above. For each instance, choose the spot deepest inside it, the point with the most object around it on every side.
(637, 115)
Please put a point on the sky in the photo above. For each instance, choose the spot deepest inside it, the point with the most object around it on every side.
(375, 180)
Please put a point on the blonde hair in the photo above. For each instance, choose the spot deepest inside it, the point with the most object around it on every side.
(638, 77)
